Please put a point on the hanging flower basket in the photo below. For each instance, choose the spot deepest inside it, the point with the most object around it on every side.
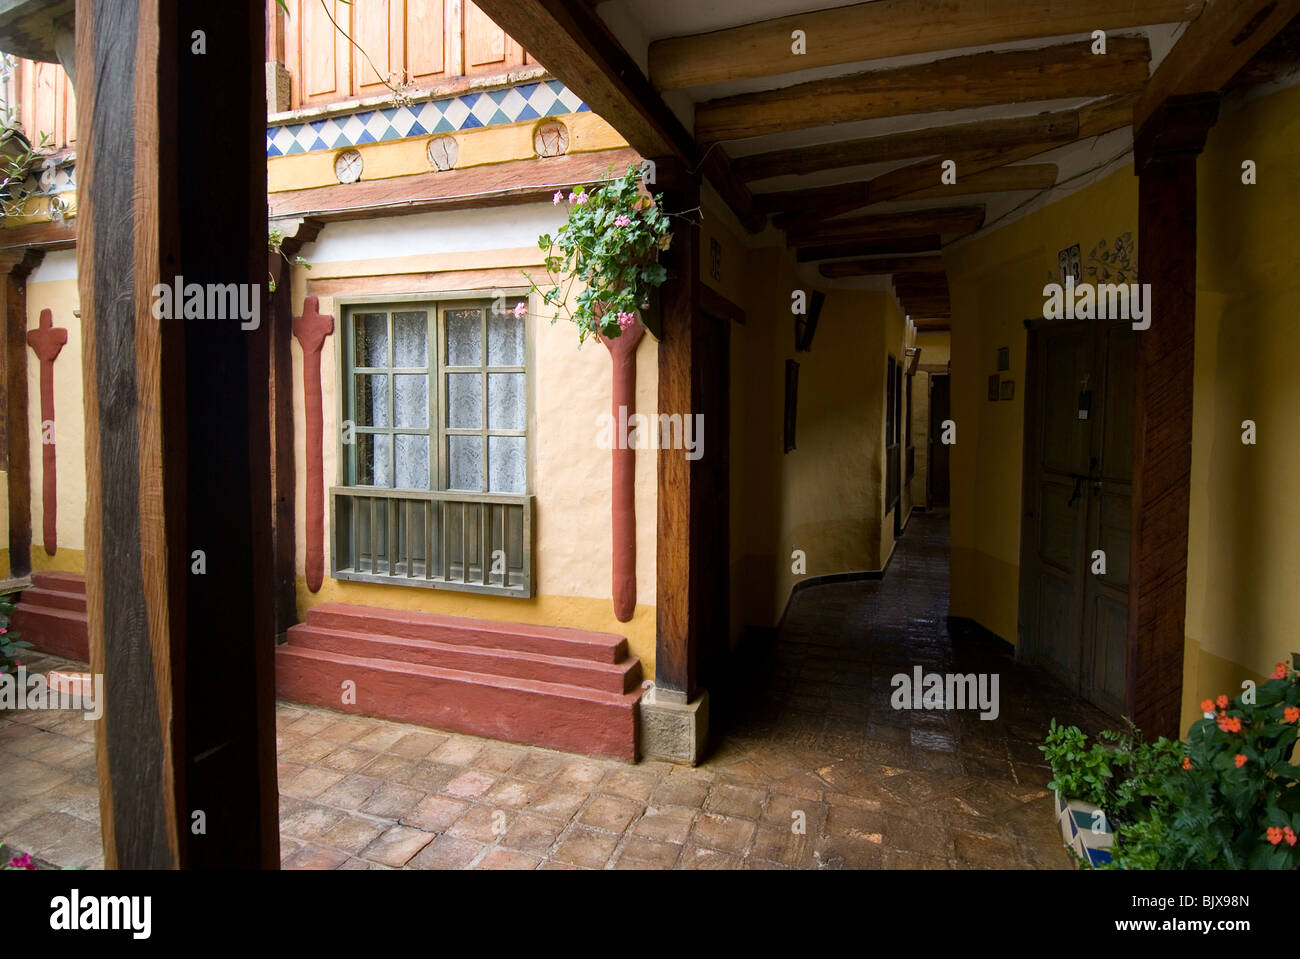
(610, 245)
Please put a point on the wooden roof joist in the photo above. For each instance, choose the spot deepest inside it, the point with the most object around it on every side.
(1061, 71)
(898, 246)
(914, 223)
(881, 266)
(890, 28)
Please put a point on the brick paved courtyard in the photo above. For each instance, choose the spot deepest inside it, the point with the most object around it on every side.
(815, 742)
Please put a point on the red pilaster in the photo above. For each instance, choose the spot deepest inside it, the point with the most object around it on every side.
(310, 330)
(47, 341)
(622, 351)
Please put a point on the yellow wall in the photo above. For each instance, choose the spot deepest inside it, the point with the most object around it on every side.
(826, 497)
(996, 283)
(1244, 521)
(569, 388)
(60, 296)
(1243, 567)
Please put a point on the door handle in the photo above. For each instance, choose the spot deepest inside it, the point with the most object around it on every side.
(1079, 480)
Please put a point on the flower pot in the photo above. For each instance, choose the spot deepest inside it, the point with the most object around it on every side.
(1085, 829)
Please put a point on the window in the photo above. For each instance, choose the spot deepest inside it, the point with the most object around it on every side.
(435, 479)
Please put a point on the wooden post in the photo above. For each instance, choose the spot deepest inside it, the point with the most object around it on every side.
(15, 266)
(178, 548)
(47, 342)
(1165, 152)
(676, 593)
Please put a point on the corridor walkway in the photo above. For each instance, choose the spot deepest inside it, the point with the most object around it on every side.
(815, 743)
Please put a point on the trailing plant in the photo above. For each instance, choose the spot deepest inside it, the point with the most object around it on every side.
(275, 244)
(610, 245)
(11, 646)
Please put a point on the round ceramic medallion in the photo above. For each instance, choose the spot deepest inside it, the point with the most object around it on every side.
(551, 139)
(347, 166)
(443, 153)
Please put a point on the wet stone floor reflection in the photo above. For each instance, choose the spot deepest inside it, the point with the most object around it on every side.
(812, 742)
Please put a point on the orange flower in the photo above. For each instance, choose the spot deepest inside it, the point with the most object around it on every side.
(1223, 702)
(1240, 760)
(1207, 705)
(1291, 714)
(1289, 835)
(1274, 835)
(1187, 762)
(1279, 671)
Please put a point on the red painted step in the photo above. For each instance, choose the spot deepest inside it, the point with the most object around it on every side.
(554, 715)
(620, 677)
(523, 637)
(547, 686)
(52, 615)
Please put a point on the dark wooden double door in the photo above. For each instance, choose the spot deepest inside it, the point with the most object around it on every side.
(1074, 586)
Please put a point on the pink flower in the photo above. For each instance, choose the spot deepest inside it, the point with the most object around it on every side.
(582, 198)
(559, 195)
(21, 862)
(622, 220)
(626, 320)
(520, 309)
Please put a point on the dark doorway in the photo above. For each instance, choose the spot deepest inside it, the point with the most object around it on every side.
(936, 483)
(893, 382)
(1077, 488)
(711, 475)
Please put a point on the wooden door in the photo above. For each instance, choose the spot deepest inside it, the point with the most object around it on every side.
(1077, 484)
(937, 461)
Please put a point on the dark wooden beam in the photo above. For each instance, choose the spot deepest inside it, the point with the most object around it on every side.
(1213, 48)
(1061, 126)
(976, 80)
(899, 246)
(574, 43)
(883, 266)
(177, 429)
(1006, 179)
(677, 602)
(15, 266)
(914, 223)
(54, 235)
(1165, 153)
(890, 28)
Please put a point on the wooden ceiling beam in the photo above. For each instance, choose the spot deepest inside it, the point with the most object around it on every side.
(898, 246)
(1213, 48)
(793, 206)
(1060, 71)
(913, 223)
(882, 266)
(572, 41)
(999, 134)
(890, 28)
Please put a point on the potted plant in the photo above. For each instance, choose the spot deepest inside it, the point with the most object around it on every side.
(610, 245)
(1227, 798)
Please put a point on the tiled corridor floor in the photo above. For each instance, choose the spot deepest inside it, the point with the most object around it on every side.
(816, 743)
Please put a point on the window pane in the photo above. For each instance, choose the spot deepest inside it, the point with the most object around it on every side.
(465, 401)
(506, 403)
(465, 462)
(373, 459)
(410, 343)
(371, 334)
(411, 400)
(506, 473)
(505, 339)
(464, 336)
(372, 399)
(412, 461)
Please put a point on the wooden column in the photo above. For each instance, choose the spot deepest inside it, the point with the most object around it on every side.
(172, 183)
(283, 466)
(677, 600)
(1165, 151)
(15, 267)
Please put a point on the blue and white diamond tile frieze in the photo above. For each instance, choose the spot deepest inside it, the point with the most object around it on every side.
(527, 101)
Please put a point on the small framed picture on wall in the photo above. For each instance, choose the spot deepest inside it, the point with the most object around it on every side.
(1008, 389)
(994, 381)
